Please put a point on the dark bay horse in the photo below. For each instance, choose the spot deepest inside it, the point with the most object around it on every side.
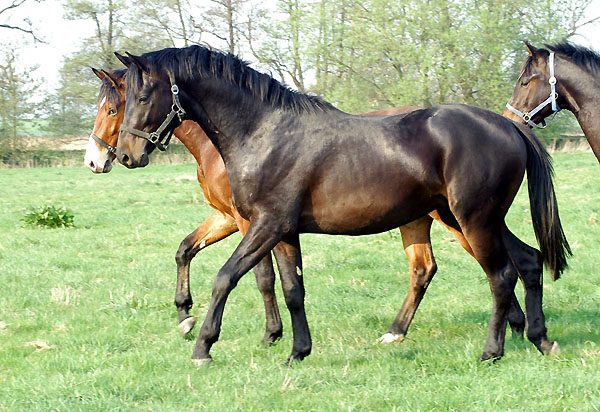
(297, 164)
(212, 177)
(577, 87)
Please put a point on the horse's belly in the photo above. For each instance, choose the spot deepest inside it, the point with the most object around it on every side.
(363, 211)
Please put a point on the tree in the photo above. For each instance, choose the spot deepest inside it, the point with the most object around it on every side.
(15, 85)
(23, 26)
(224, 17)
(174, 19)
(283, 46)
(71, 108)
(370, 54)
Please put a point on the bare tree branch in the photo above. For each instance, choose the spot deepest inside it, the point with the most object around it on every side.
(29, 31)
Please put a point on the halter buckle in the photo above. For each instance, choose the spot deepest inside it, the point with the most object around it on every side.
(175, 89)
(526, 116)
(552, 80)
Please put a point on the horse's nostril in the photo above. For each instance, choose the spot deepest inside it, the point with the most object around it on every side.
(125, 159)
(144, 160)
(92, 165)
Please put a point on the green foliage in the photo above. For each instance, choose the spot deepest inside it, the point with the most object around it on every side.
(87, 321)
(49, 216)
(380, 53)
(16, 90)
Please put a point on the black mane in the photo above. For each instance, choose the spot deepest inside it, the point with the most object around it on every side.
(191, 63)
(109, 90)
(585, 58)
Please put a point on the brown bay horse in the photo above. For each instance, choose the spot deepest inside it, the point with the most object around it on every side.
(224, 221)
(298, 165)
(576, 71)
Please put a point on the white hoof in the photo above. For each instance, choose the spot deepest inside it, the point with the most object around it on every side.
(390, 338)
(186, 326)
(201, 362)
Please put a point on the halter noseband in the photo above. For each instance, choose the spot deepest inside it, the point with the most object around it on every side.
(111, 149)
(161, 137)
(550, 100)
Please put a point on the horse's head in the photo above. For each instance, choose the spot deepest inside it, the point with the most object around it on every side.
(100, 151)
(534, 97)
(152, 112)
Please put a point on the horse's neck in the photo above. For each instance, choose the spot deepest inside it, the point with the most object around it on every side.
(194, 139)
(584, 89)
(227, 121)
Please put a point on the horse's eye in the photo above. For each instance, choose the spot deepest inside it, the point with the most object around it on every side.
(524, 83)
(143, 99)
(112, 112)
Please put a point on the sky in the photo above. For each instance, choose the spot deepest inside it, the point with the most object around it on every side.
(64, 36)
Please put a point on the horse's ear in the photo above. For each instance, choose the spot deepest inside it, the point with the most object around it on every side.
(530, 49)
(123, 59)
(139, 61)
(115, 80)
(100, 74)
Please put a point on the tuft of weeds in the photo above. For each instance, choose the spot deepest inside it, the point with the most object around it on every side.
(49, 216)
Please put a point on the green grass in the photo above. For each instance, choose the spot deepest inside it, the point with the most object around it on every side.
(87, 321)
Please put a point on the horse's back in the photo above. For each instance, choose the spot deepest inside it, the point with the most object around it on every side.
(398, 168)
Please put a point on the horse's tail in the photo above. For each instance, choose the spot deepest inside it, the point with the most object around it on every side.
(544, 209)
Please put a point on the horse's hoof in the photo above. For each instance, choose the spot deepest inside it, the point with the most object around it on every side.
(390, 338)
(201, 362)
(291, 361)
(186, 326)
(489, 357)
(554, 350)
(271, 338)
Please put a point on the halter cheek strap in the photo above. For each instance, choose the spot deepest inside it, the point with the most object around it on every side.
(551, 100)
(162, 136)
(111, 149)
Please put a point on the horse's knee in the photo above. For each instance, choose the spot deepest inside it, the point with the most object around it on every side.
(182, 256)
(223, 284)
(422, 273)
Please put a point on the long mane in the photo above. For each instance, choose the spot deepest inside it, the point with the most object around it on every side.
(585, 58)
(197, 62)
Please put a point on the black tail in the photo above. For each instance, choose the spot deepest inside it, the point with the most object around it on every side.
(544, 209)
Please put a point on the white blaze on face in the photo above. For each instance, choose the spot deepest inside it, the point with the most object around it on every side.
(96, 157)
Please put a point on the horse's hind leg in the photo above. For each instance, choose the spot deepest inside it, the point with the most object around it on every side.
(289, 261)
(421, 267)
(490, 251)
(529, 265)
(516, 317)
(218, 226)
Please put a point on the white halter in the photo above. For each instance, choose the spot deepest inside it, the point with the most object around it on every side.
(550, 100)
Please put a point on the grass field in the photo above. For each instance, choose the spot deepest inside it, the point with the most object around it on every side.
(87, 321)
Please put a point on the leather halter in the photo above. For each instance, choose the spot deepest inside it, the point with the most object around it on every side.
(111, 149)
(550, 100)
(162, 136)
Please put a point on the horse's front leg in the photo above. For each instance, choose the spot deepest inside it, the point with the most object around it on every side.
(422, 268)
(264, 233)
(217, 227)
